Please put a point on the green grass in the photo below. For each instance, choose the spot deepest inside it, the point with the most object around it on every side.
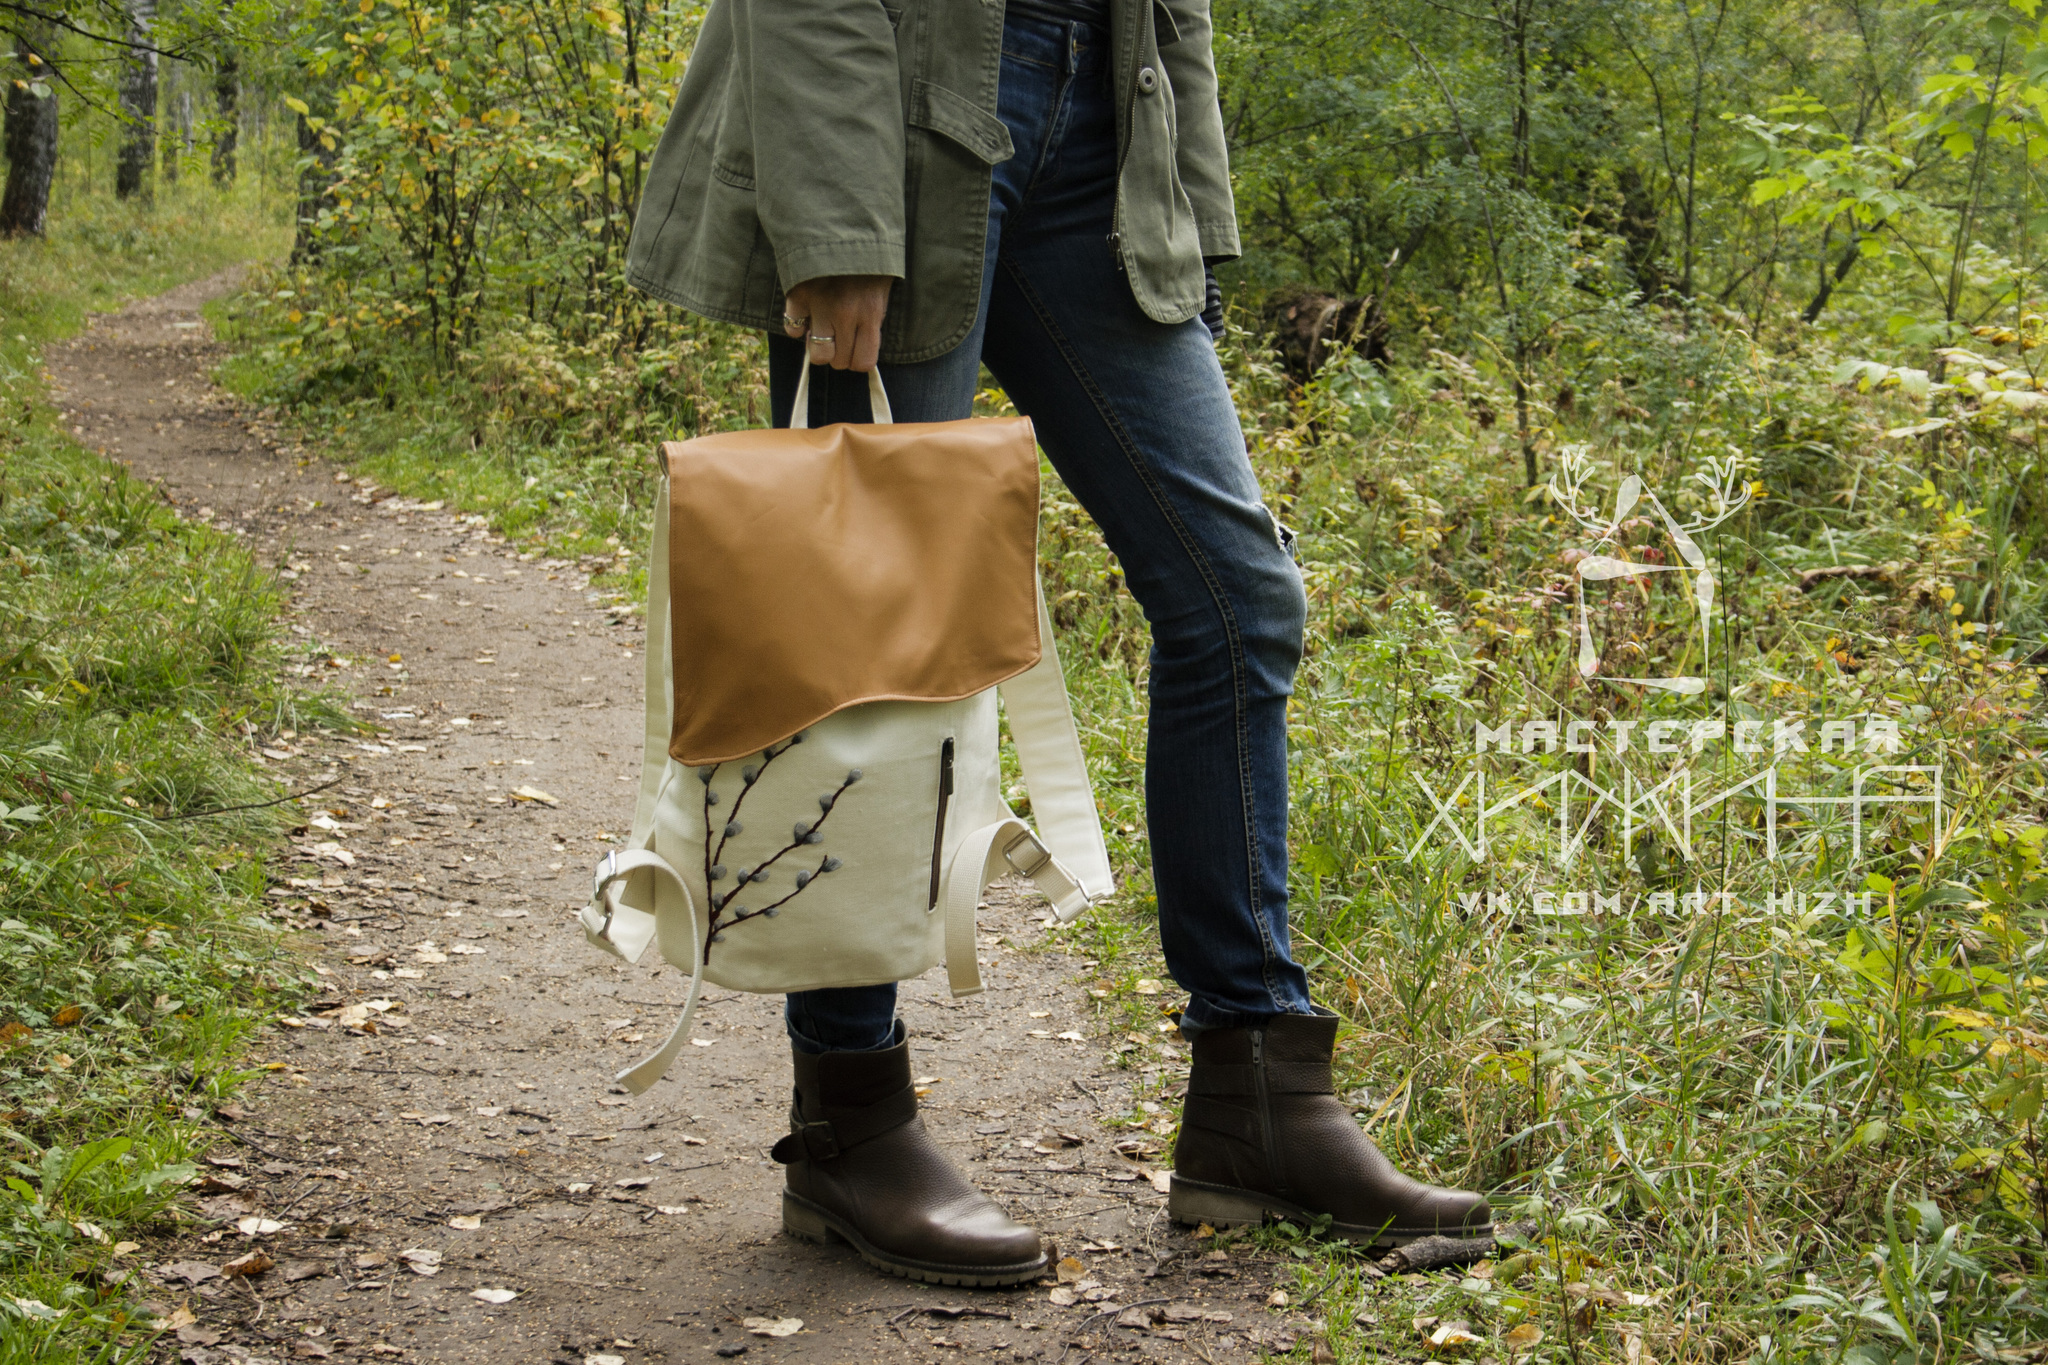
(137, 658)
(1789, 1132)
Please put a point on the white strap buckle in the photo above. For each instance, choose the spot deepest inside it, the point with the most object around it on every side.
(1010, 854)
(606, 870)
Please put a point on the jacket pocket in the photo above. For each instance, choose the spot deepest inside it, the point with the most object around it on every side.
(962, 120)
(731, 175)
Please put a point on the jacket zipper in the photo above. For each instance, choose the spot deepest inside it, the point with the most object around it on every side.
(1264, 1100)
(1123, 152)
(939, 828)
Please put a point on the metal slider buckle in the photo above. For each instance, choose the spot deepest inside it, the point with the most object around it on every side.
(1010, 854)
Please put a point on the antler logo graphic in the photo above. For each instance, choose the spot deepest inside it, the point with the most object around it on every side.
(1727, 494)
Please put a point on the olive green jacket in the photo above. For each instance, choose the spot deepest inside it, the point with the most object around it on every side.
(855, 137)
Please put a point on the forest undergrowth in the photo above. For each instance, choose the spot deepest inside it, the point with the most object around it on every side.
(137, 655)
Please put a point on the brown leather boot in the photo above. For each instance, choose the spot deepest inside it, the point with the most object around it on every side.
(1263, 1135)
(862, 1168)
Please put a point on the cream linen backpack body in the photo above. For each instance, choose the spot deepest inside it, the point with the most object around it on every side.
(832, 616)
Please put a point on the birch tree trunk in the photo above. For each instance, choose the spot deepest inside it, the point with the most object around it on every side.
(138, 104)
(227, 101)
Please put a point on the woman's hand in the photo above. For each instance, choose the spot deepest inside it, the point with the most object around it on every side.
(841, 315)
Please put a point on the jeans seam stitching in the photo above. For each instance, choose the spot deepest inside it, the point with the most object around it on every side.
(1239, 699)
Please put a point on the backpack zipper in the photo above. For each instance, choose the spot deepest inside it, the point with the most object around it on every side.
(939, 827)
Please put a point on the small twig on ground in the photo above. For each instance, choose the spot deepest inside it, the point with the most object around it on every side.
(1117, 1311)
(253, 805)
(1086, 1091)
(252, 1146)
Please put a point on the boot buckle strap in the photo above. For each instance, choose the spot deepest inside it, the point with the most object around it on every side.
(820, 1140)
(815, 1141)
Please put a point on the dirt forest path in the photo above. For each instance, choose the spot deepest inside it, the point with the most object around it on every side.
(471, 1141)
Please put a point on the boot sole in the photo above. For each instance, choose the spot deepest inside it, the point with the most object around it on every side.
(810, 1223)
(1223, 1206)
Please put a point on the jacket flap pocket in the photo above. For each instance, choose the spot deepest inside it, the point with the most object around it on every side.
(942, 111)
(1165, 32)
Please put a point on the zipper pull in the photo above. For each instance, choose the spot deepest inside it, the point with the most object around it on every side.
(1116, 249)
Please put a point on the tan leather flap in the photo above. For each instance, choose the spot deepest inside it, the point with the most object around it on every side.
(811, 571)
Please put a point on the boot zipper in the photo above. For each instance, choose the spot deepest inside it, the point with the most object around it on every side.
(1265, 1103)
(939, 828)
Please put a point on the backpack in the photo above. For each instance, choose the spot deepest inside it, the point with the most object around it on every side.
(834, 618)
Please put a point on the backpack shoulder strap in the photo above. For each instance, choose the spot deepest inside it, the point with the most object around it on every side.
(660, 668)
(1049, 749)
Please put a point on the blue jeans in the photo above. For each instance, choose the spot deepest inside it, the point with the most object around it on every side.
(1136, 417)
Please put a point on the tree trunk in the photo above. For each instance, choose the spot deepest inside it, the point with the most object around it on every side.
(138, 104)
(177, 139)
(227, 98)
(31, 143)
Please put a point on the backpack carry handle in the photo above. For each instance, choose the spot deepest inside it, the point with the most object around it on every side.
(878, 401)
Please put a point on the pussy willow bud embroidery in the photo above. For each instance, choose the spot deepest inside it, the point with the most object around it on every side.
(725, 909)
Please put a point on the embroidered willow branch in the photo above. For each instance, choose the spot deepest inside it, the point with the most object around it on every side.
(801, 835)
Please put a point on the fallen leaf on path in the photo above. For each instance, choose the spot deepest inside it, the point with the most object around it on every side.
(370, 1260)
(422, 1260)
(257, 1227)
(465, 1222)
(295, 1271)
(1149, 986)
(1070, 1269)
(774, 1327)
(192, 1334)
(534, 794)
(1523, 1337)
(494, 1295)
(68, 1016)
(1162, 1181)
(1455, 1336)
(248, 1263)
(1062, 1297)
(634, 1182)
(191, 1272)
(178, 1318)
